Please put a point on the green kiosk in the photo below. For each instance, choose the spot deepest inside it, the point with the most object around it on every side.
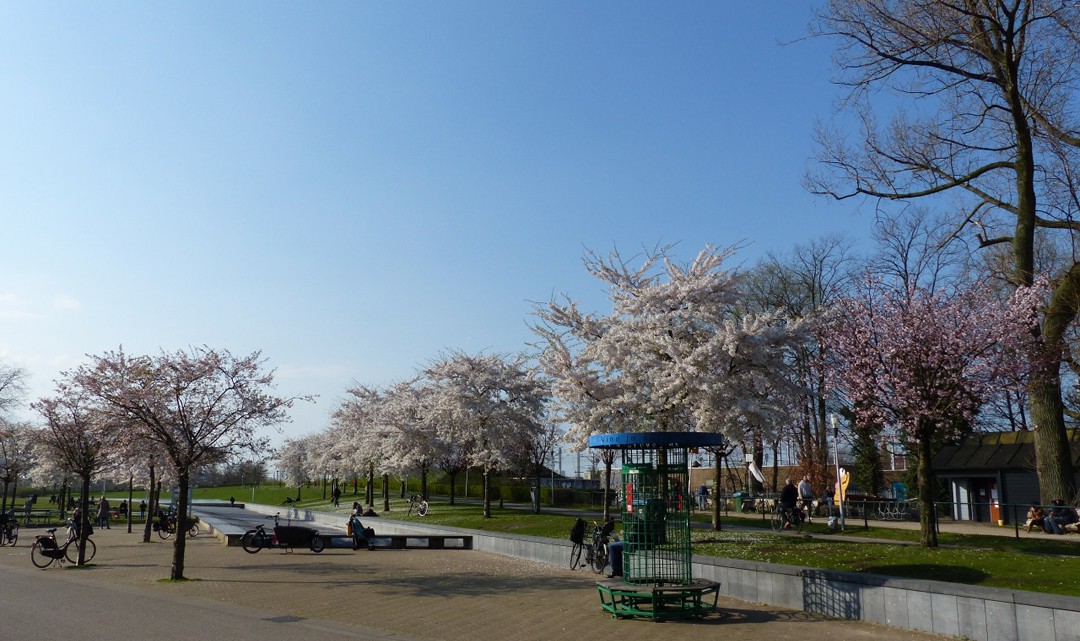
(657, 581)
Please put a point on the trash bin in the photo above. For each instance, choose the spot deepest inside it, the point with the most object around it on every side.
(738, 496)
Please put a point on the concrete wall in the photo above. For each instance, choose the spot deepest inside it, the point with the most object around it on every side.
(951, 609)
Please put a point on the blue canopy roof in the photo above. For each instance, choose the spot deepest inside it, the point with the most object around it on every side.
(656, 439)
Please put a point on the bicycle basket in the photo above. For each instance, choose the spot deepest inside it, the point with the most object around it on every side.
(45, 543)
(577, 533)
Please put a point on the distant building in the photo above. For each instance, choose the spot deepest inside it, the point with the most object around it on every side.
(991, 476)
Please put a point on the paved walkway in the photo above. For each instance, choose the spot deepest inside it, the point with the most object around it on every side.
(409, 595)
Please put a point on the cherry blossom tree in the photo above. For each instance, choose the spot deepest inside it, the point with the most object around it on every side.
(81, 438)
(923, 362)
(16, 456)
(199, 405)
(497, 402)
(676, 352)
(292, 460)
(361, 422)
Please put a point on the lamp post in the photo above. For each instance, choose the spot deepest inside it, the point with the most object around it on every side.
(836, 458)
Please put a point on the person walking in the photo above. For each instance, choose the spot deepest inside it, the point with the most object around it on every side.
(806, 494)
(789, 499)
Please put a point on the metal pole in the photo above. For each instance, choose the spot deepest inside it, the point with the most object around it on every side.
(836, 457)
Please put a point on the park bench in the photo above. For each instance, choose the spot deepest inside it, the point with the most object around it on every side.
(658, 602)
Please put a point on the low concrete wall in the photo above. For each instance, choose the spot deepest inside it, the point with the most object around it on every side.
(951, 609)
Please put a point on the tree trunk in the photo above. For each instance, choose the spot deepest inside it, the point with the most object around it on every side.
(487, 495)
(927, 513)
(453, 486)
(84, 518)
(183, 481)
(369, 491)
(131, 498)
(423, 482)
(608, 463)
(386, 492)
(152, 508)
(536, 495)
(1053, 460)
(717, 469)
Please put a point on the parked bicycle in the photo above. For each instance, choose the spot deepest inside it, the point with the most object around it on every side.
(787, 518)
(165, 525)
(45, 551)
(418, 503)
(282, 536)
(595, 549)
(9, 528)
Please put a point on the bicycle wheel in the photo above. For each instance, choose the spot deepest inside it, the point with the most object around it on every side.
(600, 558)
(13, 534)
(38, 556)
(422, 508)
(575, 556)
(193, 531)
(166, 531)
(797, 520)
(777, 520)
(253, 541)
(3, 536)
(317, 543)
(72, 551)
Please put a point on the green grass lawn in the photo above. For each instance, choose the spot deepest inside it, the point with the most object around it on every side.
(1037, 565)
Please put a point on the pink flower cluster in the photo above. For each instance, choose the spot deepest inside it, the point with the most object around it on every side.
(915, 360)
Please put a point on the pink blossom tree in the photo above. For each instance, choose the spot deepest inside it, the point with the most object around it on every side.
(923, 362)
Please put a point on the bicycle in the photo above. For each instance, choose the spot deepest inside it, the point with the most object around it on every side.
(9, 529)
(787, 518)
(283, 536)
(416, 501)
(166, 525)
(595, 551)
(45, 551)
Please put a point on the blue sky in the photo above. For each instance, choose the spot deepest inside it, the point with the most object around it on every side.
(355, 187)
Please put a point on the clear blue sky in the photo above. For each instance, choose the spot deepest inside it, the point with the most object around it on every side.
(355, 187)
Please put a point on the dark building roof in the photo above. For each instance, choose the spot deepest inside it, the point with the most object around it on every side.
(996, 451)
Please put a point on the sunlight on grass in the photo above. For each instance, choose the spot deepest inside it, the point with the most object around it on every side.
(1036, 565)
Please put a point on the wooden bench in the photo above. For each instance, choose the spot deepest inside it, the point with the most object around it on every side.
(658, 602)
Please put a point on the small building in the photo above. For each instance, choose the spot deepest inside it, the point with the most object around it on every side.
(991, 476)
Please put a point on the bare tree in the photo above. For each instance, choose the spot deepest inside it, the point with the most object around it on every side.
(985, 125)
(12, 387)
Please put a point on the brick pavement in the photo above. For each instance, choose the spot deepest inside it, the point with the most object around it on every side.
(451, 595)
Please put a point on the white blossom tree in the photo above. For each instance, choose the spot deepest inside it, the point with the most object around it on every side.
(674, 353)
(497, 402)
(292, 460)
(82, 438)
(16, 456)
(200, 405)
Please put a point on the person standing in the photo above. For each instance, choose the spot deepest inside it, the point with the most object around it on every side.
(806, 494)
(103, 513)
(703, 497)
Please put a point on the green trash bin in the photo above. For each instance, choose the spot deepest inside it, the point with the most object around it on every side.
(738, 496)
